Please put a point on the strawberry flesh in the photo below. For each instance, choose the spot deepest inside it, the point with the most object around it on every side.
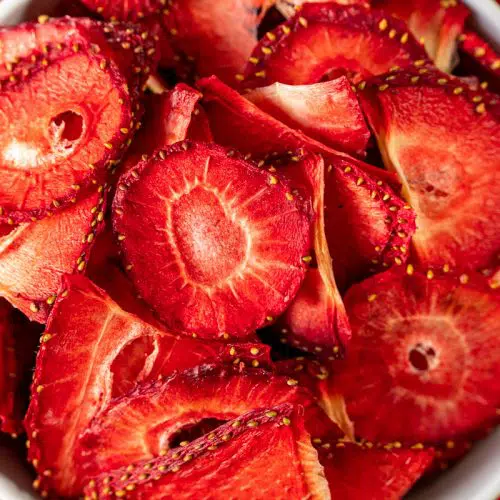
(229, 253)
(8, 371)
(443, 140)
(244, 456)
(325, 40)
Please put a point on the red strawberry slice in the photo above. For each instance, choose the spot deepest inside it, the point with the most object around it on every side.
(457, 218)
(478, 57)
(228, 242)
(368, 226)
(244, 456)
(218, 36)
(35, 255)
(424, 349)
(96, 344)
(438, 24)
(8, 371)
(199, 128)
(328, 111)
(288, 8)
(49, 153)
(161, 412)
(326, 40)
(125, 10)
(355, 471)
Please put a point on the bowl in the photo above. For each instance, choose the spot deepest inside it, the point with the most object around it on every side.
(476, 477)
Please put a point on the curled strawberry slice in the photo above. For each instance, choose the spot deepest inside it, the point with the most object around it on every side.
(328, 112)
(478, 57)
(443, 140)
(165, 413)
(324, 41)
(50, 152)
(102, 347)
(425, 349)
(242, 457)
(368, 226)
(34, 256)
(437, 24)
(384, 473)
(228, 242)
(8, 371)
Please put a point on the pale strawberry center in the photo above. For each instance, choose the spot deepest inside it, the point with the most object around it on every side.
(211, 240)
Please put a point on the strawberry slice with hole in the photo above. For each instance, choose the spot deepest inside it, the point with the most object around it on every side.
(328, 112)
(479, 58)
(443, 140)
(228, 242)
(113, 347)
(423, 348)
(51, 152)
(217, 36)
(385, 474)
(8, 371)
(368, 226)
(242, 457)
(437, 24)
(166, 414)
(34, 256)
(324, 41)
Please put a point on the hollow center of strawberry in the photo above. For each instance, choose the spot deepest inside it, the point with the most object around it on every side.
(422, 357)
(194, 431)
(65, 129)
(212, 241)
(341, 66)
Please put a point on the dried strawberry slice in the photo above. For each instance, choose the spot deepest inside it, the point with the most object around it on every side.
(328, 111)
(240, 237)
(480, 58)
(161, 412)
(288, 8)
(427, 349)
(437, 24)
(31, 268)
(8, 371)
(385, 474)
(218, 36)
(111, 343)
(248, 453)
(368, 226)
(455, 213)
(125, 10)
(324, 41)
(51, 153)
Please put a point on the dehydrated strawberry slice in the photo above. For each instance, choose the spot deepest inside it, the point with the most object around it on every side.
(288, 8)
(481, 59)
(8, 371)
(35, 255)
(218, 36)
(228, 243)
(368, 226)
(50, 152)
(125, 10)
(424, 349)
(356, 471)
(324, 41)
(328, 111)
(240, 458)
(446, 155)
(99, 347)
(162, 412)
(437, 24)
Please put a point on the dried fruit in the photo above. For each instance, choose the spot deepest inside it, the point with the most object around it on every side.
(424, 348)
(125, 10)
(328, 112)
(8, 371)
(356, 471)
(288, 8)
(98, 345)
(325, 40)
(49, 153)
(368, 226)
(479, 58)
(229, 252)
(244, 457)
(163, 413)
(35, 255)
(436, 23)
(443, 140)
(217, 36)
